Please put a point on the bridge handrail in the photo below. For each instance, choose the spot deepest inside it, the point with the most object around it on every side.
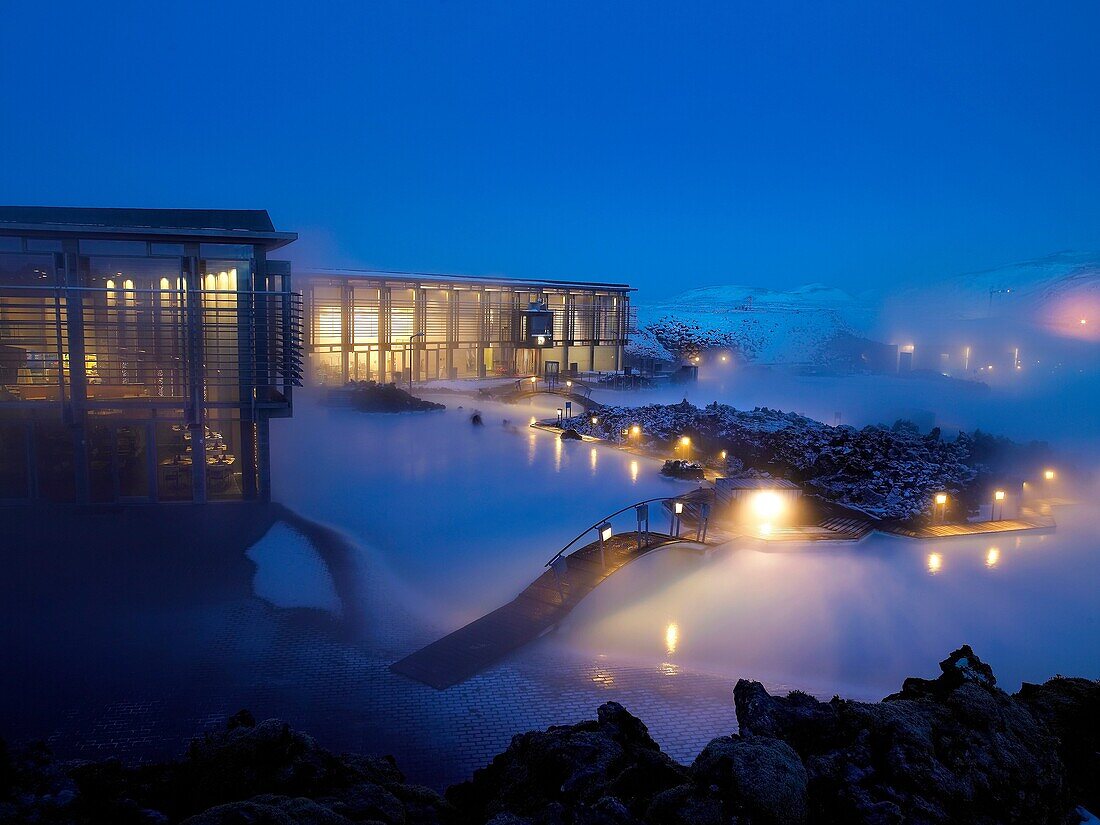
(588, 530)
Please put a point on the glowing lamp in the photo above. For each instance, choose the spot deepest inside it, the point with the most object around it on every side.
(999, 495)
(941, 498)
(677, 507)
(723, 455)
(635, 430)
(595, 420)
(605, 531)
(685, 441)
(534, 379)
(725, 358)
(569, 383)
(1049, 475)
(767, 504)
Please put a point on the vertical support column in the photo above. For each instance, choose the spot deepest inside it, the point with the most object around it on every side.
(195, 407)
(452, 332)
(597, 322)
(75, 412)
(263, 460)
(347, 330)
(567, 331)
(384, 337)
(482, 330)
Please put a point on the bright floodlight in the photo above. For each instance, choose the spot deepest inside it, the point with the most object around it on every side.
(1049, 475)
(941, 498)
(685, 441)
(723, 454)
(595, 420)
(1084, 321)
(767, 504)
(677, 507)
(534, 379)
(725, 358)
(635, 430)
(569, 383)
(999, 495)
(605, 531)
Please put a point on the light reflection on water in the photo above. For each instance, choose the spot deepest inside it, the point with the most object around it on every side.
(857, 618)
(463, 518)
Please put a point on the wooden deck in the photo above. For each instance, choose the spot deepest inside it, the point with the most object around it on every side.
(973, 528)
(545, 602)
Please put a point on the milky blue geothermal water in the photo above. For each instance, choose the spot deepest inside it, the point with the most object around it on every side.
(457, 519)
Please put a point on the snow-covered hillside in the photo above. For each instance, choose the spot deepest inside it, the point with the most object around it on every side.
(761, 325)
(1043, 300)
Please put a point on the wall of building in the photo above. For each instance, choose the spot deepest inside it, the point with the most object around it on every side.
(139, 371)
(385, 328)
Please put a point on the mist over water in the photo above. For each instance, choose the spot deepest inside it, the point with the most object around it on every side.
(457, 519)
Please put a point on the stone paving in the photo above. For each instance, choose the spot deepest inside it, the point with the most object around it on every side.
(233, 651)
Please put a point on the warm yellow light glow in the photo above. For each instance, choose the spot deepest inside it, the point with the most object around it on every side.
(696, 359)
(635, 430)
(935, 562)
(164, 286)
(1084, 321)
(532, 419)
(534, 379)
(723, 455)
(767, 504)
(1049, 475)
(672, 638)
(605, 533)
(992, 557)
(999, 495)
(725, 358)
(592, 458)
(678, 507)
(110, 284)
(765, 529)
(941, 498)
(595, 420)
(633, 471)
(569, 383)
(685, 441)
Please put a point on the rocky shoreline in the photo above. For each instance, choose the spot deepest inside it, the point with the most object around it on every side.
(952, 749)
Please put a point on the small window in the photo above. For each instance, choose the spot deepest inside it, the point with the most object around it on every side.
(43, 245)
(10, 244)
(114, 248)
(173, 249)
(238, 252)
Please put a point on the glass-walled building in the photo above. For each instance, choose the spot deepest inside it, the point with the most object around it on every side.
(390, 326)
(142, 353)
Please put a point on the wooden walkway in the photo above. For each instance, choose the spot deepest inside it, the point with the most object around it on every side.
(544, 603)
(973, 528)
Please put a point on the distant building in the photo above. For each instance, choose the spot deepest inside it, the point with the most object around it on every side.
(142, 353)
(390, 326)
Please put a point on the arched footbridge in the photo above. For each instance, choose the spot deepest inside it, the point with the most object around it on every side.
(570, 575)
(570, 389)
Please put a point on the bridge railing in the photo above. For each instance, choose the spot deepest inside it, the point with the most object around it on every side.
(557, 386)
(605, 520)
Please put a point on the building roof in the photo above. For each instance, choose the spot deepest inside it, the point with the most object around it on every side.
(755, 483)
(250, 225)
(440, 277)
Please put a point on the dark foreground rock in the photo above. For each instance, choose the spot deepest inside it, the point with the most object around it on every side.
(678, 468)
(370, 396)
(955, 749)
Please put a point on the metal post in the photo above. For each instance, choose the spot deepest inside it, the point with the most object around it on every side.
(412, 355)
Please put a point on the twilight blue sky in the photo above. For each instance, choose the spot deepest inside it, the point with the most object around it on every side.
(673, 145)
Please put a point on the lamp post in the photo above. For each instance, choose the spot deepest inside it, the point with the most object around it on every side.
(642, 512)
(412, 354)
(998, 498)
(604, 531)
(561, 422)
(941, 504)
(674, 523)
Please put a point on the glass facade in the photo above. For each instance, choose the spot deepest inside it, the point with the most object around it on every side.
(387, 328)
(144, 371)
